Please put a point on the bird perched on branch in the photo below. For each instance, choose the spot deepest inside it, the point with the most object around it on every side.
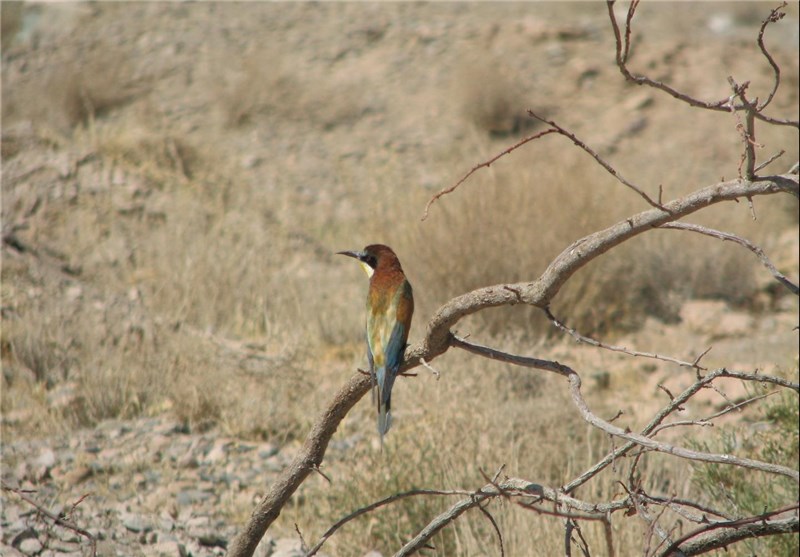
(390, 304)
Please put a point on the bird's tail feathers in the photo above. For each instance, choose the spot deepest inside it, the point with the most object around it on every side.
(385, 381)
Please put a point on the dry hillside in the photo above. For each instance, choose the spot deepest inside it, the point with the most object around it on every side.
(176, 178)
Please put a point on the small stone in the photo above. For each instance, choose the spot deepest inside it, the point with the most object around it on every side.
(136, 522)
(8, 551)
(46, 459)
(218, 452)
(288, 547)
(167, 548)
(31, 546)
(192, 496)
(74, 476)
(266, 450)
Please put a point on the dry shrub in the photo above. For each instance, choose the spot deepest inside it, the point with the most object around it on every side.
(87, 82)
(508, 222)
(10, 21)
(266, 87)
(490, 97)
(537, 434)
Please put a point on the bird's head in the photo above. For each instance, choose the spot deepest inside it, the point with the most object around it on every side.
(373, 256)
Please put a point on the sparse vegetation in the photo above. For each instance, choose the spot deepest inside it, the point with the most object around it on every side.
(773, 435)
(169, 220)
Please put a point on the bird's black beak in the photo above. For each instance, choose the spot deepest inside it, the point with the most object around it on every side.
(355, 254)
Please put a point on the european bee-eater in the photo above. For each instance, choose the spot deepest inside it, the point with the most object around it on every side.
(390, 305)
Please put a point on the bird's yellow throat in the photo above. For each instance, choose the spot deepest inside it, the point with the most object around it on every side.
(367, 269)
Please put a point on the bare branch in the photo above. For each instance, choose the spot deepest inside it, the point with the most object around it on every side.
(642, 440)
(707, 421)
(721, 105)
(58, 520)
(309, 457)
(752, 527)
(377, 504)
(770, 160)
(747, 129)
(726, 236)
(599, 344)
(484, 164)
(774, 16)
(610, 169)
(512, 487)
(496, 528)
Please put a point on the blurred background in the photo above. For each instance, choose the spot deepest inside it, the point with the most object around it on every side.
(177, 176)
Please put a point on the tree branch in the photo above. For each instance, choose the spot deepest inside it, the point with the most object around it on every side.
(641, 440)
(722, 105)
(58, 520)
(726, 236)
(308, 458)
(438, 339)
(752, 527)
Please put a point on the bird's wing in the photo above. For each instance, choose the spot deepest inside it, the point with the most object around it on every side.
(396, 347)
(404, 308)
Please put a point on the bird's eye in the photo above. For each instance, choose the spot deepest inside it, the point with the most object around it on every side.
(372, 261)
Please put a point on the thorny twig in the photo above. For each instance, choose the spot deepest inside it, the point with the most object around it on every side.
(623, 48)
(675, 547)
(727, 236)
(600, 344)
(58, 520)
(600, 160)
(484, 164)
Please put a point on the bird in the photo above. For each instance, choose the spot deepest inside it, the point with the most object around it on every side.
(390, 306)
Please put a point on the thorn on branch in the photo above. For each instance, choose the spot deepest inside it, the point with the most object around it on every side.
(514, 291)
(430, 368)
(303, 545)
(669, 394)
(602, 162)
(484, 164)
(752, 207)
(316, 469)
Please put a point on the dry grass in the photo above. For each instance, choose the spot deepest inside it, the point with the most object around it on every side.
(11, 21)
(500, 421)
(209, 293)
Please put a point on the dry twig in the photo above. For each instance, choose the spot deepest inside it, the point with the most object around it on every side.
(57, 520)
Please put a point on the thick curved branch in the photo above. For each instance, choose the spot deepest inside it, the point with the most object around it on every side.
(541, 292)
(735, 530)
(438, 337)
(641, 440)
(307, 460)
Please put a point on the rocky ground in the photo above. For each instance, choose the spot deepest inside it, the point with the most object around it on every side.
(142, 487)
(152, 487)
(310, 103)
